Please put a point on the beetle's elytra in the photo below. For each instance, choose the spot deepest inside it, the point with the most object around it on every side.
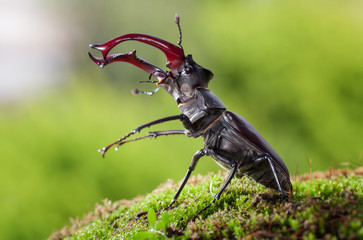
(232, 142)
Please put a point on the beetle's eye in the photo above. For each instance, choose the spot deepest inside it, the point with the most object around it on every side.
(188, 69)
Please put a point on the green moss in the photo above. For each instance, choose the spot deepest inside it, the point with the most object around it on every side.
(326, 208)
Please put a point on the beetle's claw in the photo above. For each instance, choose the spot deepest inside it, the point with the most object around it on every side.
(99, 61)
(94, 46)
(174, 54)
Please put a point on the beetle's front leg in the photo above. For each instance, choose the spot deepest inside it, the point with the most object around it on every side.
(188, 125)
(184, 119)
(155, 134)
(192, 165)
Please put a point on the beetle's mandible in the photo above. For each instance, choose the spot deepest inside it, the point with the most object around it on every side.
(232, 142)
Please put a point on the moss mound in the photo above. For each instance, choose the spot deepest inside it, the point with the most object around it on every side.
(325, 205)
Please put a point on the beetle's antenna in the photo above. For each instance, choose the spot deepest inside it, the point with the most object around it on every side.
(137, 91)
(177, 21)
(148, 81)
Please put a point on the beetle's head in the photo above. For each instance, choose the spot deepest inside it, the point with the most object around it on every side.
(191, 77)
(184, 76)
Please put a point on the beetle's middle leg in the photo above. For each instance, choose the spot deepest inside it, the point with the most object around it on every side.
(232, 172)
(192, 165)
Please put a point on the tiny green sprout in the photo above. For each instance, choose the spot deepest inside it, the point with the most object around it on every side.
(151, 217)
(156, 229)
(211, 184)
(294, 224)
(215, 181)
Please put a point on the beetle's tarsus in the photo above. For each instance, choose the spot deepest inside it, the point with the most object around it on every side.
(139, 215)
(201, 211)
(102, 151)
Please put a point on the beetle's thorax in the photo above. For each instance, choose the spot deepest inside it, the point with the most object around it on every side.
(194, 99)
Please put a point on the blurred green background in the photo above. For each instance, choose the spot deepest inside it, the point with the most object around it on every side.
(294, 69)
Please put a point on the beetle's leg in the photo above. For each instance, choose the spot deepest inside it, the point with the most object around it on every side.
(155, 134)
(138, 129)
(192, 165)
(233, 164)
(258, 160)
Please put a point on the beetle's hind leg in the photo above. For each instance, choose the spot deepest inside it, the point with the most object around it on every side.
(256, 170)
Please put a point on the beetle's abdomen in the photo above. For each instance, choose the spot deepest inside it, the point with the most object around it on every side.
(237, 144)
(243, 128)
(263, 174)
(227, 142)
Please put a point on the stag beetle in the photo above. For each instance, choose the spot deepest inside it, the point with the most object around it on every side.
(232, 142)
